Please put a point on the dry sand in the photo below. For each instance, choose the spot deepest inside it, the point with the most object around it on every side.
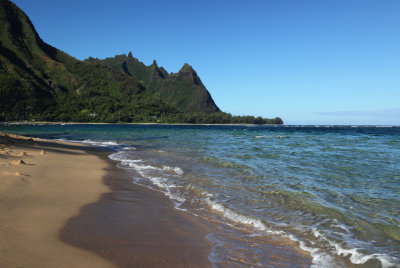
(42, 185)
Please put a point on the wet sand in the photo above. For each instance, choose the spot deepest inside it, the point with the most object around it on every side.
(56, 211)
(133, 226)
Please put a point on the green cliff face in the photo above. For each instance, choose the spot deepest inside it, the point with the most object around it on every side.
(186, 91)
(40, 82)
(183, 90)
(24, 88)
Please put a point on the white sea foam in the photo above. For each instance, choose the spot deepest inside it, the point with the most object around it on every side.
(177, 170)
(279, 137)
(167, 186)
(341, 226)
(91, 142)
(176, 199)
(161, 183)
(128, 147)
(319, 257)
(358, 258)
(353, 254)
(240, 218)
(100, 143)
(122, 157)
(130, 161)
(141, 168)
(316, 233)
(117, 156)
(152, 174)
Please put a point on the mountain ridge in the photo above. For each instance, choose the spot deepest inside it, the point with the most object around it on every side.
(41, 82)
(184, 89)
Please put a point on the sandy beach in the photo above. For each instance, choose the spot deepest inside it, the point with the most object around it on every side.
(42, 185)
(56, 211)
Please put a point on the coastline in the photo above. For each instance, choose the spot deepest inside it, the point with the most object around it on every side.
(70, 206)
(143, 124)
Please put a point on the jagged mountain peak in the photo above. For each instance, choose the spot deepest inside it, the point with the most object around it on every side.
(184, 90)
(186, 68)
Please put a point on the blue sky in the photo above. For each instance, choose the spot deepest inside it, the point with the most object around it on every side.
(309, 62)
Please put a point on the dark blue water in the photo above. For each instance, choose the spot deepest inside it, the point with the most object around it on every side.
(332, 191)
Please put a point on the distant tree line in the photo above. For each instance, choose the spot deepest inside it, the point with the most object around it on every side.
(118, 114)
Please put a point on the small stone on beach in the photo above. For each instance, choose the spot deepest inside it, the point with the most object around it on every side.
(18, 162)
(42, 152)
(22, 154)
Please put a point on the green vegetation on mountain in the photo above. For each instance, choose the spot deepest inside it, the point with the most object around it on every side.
(39, 82)
(184, 90)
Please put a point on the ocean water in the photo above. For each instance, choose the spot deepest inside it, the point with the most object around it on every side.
(331, 191)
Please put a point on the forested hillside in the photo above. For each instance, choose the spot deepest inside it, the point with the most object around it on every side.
(42, 83)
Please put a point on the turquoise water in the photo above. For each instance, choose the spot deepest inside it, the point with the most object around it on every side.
(332, 191)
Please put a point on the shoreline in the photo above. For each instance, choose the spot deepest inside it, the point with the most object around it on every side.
(133, 226)
(126, 225)
(144, 124)
(50, 217)
(186, 124)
